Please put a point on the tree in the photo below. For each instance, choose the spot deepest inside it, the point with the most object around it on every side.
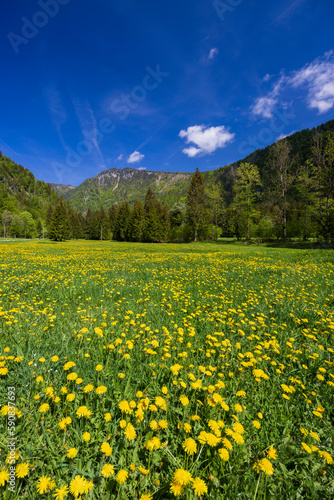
(103, 224)
(195, 213)
(137, 222)
(306, 189)
(122, 222)
(27, 223)
(112, 216)
(6, 221)
(152, 207)
(39, 228)
(328, 175)
(16, 226)
(214, 193)
(245, 188)
(282, 171)
(60, 229)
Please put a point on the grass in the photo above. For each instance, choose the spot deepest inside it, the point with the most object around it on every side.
(198, 371)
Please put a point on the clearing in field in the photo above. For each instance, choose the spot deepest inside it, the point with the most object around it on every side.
(154, 372)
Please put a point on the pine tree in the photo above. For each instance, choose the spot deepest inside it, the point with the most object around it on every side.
(152, 209)
(60, 229)
(112, 216)
(122, 222)
(195, 213)
(137, 222)
(103, 223)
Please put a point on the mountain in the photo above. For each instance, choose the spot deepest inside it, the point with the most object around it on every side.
(116, 185)
(21, 191)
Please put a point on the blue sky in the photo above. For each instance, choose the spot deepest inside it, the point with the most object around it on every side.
(170, 85)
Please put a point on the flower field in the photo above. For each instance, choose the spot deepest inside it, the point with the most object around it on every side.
(133, 371)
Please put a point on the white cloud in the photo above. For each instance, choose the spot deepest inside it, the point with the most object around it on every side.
(206, 140)
(266, 77)
(135, 157)
(213, 52)
(264, 107)
(318, 78)
(120, 157)
(141, 168)
(283, 136)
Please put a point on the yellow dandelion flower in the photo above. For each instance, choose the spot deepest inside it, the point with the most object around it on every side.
(122, 476)
(199, 486)
(107, 470)
(190, 446)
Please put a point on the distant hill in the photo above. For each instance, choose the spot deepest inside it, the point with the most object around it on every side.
(116, 185)
(21, 191)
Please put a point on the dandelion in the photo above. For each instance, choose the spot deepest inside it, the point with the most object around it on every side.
(106, 449)
(78, 486)
(44, 408)
(61, 493)
(182, 477)
(122, 476)
(224, 454)
(107, 470)
(86, 437)
(256, 424)
(306, 448)
(143, 471)
(190, 446)
(44, 484)
(101, 389)
(4, 476)
(199, 486)
(107, 417)
(88, 388)
(272, 453)
(130, 432)
(146, 496)
(72, 453)
(22, 470)
(176, 489)
(184, 400)
(99, 368)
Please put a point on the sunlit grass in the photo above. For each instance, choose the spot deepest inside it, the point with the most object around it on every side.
(167, 370)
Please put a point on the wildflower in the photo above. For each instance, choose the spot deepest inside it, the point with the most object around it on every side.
(124, 407)
(306, 448)
(72, 376)
(72, 453)
(130, 432)
(272, 453)
(44, 408)
(199, 486)
(101, 389)
(86, 437)
(224, 454)
(43, 484)
(143, 471)
(107, 470)
(265, 466)
(190, 446)
(187, 427)
(176, 489)
(107, 417)
(99, 368)
(326, 456)
(61, 493)
(88, 388)
(39, 379)
(70, 397)
(314, 435)
(54, 359)
(145, 496)
(184, 400)
(106, 449)
(84, 412)
(182, 477)
(227, 443)
(78, 486)
(4, 476)
(22, 470)
(163, 424)
(122, 476)
(238, 427)
(256, 424)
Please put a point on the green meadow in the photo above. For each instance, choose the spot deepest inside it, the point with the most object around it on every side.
(142, 371)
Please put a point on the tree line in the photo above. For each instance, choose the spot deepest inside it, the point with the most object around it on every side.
(287, 198)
